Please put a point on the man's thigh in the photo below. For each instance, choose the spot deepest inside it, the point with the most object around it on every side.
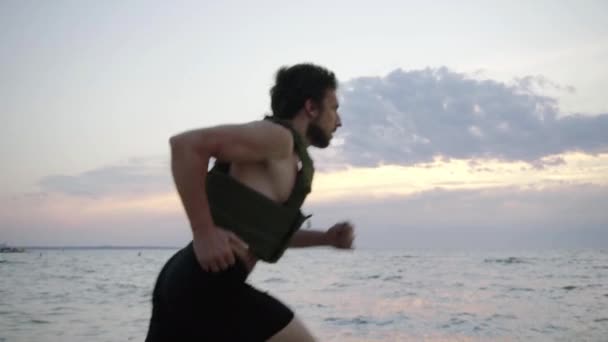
(255, 315)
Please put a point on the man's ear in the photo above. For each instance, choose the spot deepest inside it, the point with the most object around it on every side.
(311, 108)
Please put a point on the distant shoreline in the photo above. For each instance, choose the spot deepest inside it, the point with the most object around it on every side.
(95, 247)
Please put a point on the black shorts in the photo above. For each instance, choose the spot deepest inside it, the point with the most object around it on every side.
(189, 304)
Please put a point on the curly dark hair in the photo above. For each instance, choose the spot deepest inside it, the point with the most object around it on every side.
(298, 83)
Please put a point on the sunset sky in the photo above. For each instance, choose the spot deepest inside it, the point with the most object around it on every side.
(466, 124)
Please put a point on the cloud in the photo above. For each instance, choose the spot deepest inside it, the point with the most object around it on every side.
(534, 84)
(405, 118)
(137, 176)
(410, 117)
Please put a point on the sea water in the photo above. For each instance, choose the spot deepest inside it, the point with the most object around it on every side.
(359, 295)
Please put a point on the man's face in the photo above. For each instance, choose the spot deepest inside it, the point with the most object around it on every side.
(321, 129)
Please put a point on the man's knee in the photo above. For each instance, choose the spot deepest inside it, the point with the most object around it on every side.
(295, 331)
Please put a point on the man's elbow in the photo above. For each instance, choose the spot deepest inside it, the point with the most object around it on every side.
(175, 141)
(193, 140)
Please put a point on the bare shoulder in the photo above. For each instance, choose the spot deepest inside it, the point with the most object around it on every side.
(253, 141)
(268, 135)
(277, 132)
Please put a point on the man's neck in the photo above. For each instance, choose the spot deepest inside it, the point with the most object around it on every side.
(300, 124)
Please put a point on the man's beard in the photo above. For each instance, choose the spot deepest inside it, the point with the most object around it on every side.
(316, 136)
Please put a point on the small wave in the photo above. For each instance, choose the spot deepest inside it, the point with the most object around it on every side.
(501, 316)
(347, 321)
(12, 262)
(373, 276)
(467, 314)
(399, 257)
(340, 285)
(506, 261)
(126, 286)
(522, 289)
(69, 277)
(457, 321)
(369, 277)
(395, 277)
(359, 320)
(142, 320)
(552, 327)
(39, 321)
(569, 287)
(274, 280)
(454, 321)
(603, 267)
(601, 320)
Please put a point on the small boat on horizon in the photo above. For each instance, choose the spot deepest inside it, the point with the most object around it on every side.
(4, 248)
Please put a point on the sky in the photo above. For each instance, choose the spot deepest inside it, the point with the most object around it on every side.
(470, 124)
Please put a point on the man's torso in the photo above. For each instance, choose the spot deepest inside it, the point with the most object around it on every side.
(274, 179)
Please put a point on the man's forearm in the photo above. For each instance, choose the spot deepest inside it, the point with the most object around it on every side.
(187, 168)
(309, 238)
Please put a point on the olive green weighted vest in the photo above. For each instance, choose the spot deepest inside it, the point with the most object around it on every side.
(265, 225)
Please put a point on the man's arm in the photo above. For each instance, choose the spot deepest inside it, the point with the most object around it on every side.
(190, 155)
(192, 150)
(309, 238)
(340, 235)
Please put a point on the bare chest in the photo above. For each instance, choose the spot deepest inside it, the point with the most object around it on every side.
(274, 179)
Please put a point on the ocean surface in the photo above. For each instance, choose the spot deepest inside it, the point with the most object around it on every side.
(360, 295)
